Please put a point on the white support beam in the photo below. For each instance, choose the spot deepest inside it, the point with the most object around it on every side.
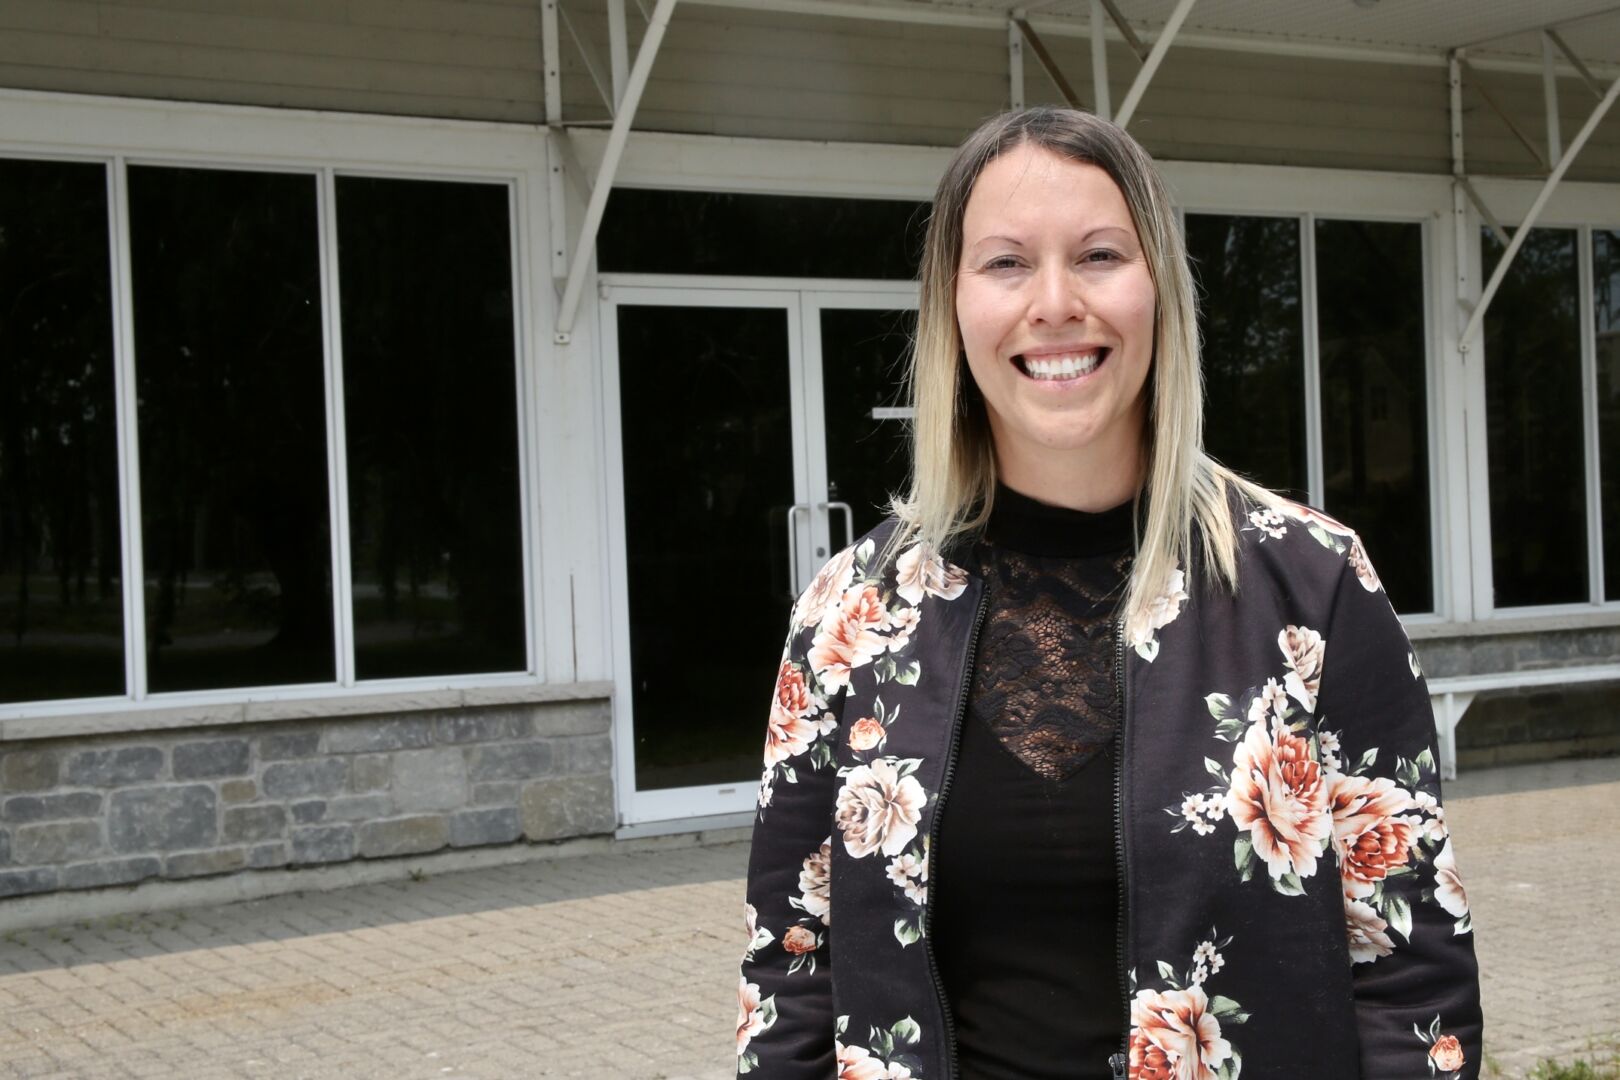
(1484, 211)
(1099, 61)
(585, 247)
(587, 52)
(551, 61)
(1048, 62)
(1549, 96)
(1161, 44)
(618, 50)
(1540, 203)
(1015, 61)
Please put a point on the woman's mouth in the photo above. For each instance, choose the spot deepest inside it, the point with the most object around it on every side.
(1057, 367)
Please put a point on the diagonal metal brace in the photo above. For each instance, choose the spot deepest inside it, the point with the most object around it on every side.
(617, 136)
(1125, 30)
(1540, 203)
(1048, 64)
(1161, 44)
(1484, 211)
(1496, 107)
(1581, 69)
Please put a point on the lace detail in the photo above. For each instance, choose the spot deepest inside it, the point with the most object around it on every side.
(1043, 678)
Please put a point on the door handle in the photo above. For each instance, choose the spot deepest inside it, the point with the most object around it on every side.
(793, 547)
(849, 519)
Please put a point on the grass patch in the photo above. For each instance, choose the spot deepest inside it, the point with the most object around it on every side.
(1606, 1069)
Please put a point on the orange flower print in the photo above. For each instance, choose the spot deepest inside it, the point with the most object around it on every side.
(919, 572)
(850, 636)
(799, 940)
(1446, 1054)
(865, 733)
(790, 730)
(1365, 932)
(1368, 832)
(1280, 795)
(857, 1063)
(1448, 887)
(1180, 1025)
(753, 1015)
(824, 592)
(1148, 1062)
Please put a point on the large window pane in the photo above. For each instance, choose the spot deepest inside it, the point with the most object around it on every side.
(1248, 275)
(430, 399)
(1606, 308)
(228, 359)
(61, 594)
(710, 232)
(1535, 445)
(1375, 443)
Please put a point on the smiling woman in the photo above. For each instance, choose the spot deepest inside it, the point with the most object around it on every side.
(1078, 650)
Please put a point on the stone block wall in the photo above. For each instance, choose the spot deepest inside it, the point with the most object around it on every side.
(94, 811)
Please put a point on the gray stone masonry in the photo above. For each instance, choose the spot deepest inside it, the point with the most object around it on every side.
(114, 810)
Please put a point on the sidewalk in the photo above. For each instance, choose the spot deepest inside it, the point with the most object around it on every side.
(623, 965)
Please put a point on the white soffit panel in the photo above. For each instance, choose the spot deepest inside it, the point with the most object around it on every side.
(1504, 29)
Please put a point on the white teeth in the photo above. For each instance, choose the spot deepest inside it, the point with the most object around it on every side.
(1062, 365)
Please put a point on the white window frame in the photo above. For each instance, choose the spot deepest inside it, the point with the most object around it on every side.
(117, 132)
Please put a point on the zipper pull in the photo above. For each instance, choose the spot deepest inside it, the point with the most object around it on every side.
(1117, 1063)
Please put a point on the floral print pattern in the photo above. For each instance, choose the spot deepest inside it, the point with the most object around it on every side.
(1176, 1032)
(879, 806)
(1445, 1053)
(887, 1055)
(1142, 631)
(754, 1015)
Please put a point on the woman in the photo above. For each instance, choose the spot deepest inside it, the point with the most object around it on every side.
(1111, 762)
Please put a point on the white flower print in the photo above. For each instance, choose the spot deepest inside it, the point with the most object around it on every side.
(1448, 887)
(1363, 566)
(766, 791)
(902, 621)
(879, 806)
(1328, 744)
(920, 571)
(911, 874)
(815, 884)
(824, 592)
(753, 1015)
(1303, 650)
(1412, 662)
(1141, 633)
(1365, 932)
(1269, 522)
(1194, 808)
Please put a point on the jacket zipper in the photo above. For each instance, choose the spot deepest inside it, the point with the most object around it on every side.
(1117, 1062)
(951, 1069)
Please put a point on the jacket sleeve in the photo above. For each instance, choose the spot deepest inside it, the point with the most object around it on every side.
(785, 1008)
(1411, 942)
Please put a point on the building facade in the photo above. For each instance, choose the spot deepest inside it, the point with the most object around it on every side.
(381, 381)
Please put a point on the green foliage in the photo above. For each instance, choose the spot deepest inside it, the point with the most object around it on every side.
(1548, 1069)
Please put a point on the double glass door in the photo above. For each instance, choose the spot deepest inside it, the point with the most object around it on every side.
(752, 432)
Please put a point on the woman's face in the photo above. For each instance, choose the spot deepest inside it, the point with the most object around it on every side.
(1055, 305)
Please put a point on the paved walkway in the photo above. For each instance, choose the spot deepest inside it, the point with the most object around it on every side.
(622, 965)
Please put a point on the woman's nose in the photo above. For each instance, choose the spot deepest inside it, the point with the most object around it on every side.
(1057, 297)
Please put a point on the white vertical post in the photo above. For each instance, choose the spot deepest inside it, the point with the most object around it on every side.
(1589, 409)
(1015, 61)
(551, 62)
(1099, 61)
(337, 444)
(1549, 95)
(1314, 480)
(557, 196)
(618, 50)
(127, 424)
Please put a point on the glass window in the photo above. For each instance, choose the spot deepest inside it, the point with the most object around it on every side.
(1534, 424)
(1606, 311)
(232, 421)
(863, 356)
(430, 403)
(711, 232)
(1247, 271)
(61, 589)
(1375, 443)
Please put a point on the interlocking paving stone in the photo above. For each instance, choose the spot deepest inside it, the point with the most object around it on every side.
(623, 965)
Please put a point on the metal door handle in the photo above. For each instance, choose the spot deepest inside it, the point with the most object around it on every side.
(849, 518)
(793, 547)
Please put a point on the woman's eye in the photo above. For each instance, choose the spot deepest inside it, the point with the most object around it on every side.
(1100, 256)
(1003, 262)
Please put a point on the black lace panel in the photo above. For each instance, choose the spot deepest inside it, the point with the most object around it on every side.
(1043, 678)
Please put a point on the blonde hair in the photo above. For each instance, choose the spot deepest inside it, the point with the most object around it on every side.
(953, 462)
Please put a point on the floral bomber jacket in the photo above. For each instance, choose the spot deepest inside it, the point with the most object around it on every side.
(1291, 901)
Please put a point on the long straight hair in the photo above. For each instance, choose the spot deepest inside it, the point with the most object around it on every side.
(953, 460)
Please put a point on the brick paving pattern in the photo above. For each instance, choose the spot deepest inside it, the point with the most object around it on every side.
(623, 965)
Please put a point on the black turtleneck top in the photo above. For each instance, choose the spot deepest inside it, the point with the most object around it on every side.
(1025, 919)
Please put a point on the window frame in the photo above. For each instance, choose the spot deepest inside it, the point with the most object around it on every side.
(118, 133)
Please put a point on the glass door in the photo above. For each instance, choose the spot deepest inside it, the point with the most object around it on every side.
(750, 433)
